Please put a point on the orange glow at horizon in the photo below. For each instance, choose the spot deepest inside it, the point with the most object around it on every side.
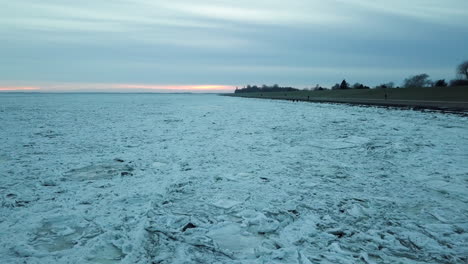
(20, 88)
(175, 87)
(64, 87)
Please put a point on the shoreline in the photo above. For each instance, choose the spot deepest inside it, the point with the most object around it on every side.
(455, 107)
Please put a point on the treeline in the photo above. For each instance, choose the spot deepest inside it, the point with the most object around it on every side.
(416, 81)
(264, 88)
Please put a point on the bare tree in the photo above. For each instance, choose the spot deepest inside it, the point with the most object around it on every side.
(359, 86)
(462, 70)
(440, 83)
(389, 85)
(420, 80)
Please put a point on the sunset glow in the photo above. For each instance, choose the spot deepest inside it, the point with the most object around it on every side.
(174, 87)
(25, 88)
(115, 87)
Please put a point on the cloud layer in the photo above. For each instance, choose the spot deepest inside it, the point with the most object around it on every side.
(167, 43)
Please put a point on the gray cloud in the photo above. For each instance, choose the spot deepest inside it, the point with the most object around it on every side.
(296, 42)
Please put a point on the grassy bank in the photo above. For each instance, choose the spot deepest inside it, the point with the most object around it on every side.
(440, 98)
(458, 94)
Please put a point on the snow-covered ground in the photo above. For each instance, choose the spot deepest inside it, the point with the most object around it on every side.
(128, 178)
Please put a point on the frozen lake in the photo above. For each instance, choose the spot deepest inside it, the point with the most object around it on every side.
(148, 178)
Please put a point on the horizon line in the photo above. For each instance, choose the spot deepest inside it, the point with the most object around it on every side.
(67, 87)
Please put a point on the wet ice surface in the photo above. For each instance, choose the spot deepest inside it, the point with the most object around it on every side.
(208, 179)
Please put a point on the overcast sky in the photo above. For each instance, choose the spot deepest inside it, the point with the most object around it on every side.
(213, 45)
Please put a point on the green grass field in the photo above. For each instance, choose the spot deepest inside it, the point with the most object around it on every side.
(448, 94)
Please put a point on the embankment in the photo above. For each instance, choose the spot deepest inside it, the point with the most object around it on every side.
(449, 99)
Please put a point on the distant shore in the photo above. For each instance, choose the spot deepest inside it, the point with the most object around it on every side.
(447, 99)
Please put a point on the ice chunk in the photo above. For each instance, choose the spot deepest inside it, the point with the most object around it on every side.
(231, 237)
(257, 222)
(60, 233)
(100, 171)
(158, 164)
(225, 203)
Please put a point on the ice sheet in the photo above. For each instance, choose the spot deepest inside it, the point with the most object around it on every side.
(140, 178)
